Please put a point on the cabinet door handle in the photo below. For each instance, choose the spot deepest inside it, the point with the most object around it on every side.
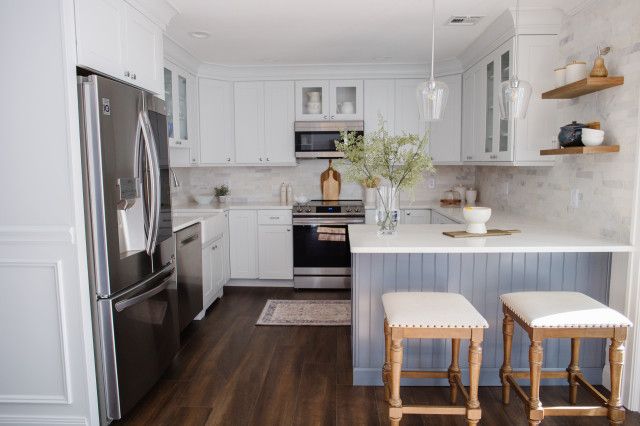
(333, 117)
(274, 217)
(127, 74)
(324, 116)
(288, 229)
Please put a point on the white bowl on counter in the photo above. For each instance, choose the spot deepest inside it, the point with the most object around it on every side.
(203, 199)
(476, 219)
(592, 137)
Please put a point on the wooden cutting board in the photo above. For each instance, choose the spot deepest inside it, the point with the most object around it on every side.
(330, 183)
(490, 233)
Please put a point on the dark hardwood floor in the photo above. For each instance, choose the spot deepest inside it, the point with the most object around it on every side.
(231, 372)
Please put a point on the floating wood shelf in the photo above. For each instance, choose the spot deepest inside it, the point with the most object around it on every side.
(601, 149)
(583, 87)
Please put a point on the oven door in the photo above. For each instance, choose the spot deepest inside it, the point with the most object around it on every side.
(321, 252)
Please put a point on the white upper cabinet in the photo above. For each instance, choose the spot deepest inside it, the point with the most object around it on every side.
(445, 136)
(486, 137)
(379, 101)
(329, 100)
(345, 102)
(264, 115)
(279, 113)
(249, 122)
(215, 102)
(180, 102)
(406, 111)
(115, 39)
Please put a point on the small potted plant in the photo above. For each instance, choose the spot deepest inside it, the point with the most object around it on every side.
(222, 193)
(370, 189)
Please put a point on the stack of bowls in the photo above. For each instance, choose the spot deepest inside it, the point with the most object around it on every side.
(592, 137)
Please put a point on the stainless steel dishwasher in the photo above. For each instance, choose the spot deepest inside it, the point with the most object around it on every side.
(189, 260)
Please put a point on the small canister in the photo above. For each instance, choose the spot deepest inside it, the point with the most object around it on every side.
(561, 76)
(576, 70)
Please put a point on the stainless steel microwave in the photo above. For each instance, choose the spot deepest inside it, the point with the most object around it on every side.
(317, 139)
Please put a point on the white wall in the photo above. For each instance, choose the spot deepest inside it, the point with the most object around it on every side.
(46, 356)
(605, 181)
(263, 183)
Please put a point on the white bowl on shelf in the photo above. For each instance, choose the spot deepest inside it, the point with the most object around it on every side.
(203, 199)
(592, 137)
(476, 219)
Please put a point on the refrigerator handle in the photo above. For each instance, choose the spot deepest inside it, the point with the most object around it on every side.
(144, 126)
(167, 272)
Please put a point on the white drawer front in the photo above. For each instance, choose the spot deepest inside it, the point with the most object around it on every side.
(274, 217)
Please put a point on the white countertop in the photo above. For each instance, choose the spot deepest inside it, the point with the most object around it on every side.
(453, 213)
(536, 237)
(216, 207)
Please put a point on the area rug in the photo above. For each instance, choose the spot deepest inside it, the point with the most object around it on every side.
(306, 312)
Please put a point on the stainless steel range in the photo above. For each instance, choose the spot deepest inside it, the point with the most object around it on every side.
(321, 253)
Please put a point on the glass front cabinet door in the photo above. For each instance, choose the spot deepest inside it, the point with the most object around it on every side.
(179, 97)
(318, 100)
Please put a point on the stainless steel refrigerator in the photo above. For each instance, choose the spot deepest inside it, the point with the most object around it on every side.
(129, 239)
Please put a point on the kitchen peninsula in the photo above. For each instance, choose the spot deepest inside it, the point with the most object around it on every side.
(421, 258)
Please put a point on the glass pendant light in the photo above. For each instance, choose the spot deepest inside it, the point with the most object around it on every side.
(432, 94)
(514, 94)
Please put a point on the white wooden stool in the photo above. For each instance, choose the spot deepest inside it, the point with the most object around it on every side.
(561, 314)
(417, 315)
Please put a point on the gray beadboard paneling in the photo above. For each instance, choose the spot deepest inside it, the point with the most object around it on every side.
(481, 278)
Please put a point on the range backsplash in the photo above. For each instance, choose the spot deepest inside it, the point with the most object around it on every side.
(263, 183)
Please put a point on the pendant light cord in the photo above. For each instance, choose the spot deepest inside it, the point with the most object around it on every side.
(515, 44)
(433, 35)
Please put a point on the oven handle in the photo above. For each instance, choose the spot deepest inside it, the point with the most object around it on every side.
(326, 221)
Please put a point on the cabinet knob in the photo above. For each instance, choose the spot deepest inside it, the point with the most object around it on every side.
(267, 158)
(178, 142)
(228, 158)
(408, 213)
(127, 74)
(288, 229)
(324, 116)
(193, 160)
(133, 76)
(333, 117)
(260, 158)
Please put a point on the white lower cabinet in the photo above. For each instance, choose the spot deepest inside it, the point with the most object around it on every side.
(370, 216)
(275, 252)
(243, 246)
(213, 271)
(415, 216)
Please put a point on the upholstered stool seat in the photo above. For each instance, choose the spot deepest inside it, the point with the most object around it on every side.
(416, 315)
(431, 310)
(562, 309)
(562, 314)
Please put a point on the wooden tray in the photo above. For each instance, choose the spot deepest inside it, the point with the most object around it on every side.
(490, 233)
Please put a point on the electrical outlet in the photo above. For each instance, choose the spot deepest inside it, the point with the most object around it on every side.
(431, 183)
(576, 198)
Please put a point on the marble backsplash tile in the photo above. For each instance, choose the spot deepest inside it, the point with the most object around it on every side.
(605, 182)
(263, 183)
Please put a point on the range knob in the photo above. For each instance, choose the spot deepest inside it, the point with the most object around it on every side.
(357, 210)
(308, 210)
(348, 209)
(299, 209)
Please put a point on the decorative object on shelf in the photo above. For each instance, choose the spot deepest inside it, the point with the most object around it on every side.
(561, 76)
(592, 137)
(347, 107)
(400, 162)
(203, 199)
(432, 95)
(314, 102)
(471, 196)
(330, 182)
(601, 149)
(370, 190)
(583, 87)
(222, 193)
(576, 70)
(514, 94)
(599, 69)
(571, 134)
(451, 198)
(476, 218)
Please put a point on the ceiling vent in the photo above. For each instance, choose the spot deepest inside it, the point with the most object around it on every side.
(463, 20)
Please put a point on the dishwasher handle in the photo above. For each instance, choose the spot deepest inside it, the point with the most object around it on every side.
(189, 239)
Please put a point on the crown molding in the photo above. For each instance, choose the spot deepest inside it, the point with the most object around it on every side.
(532, 21)
(325, 71)
(174, 52)
(158, 11)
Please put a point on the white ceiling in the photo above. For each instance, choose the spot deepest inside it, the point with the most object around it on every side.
(260, 32)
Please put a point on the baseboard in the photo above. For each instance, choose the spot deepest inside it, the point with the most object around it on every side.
(259, 283)
(42, 420)
(488, 377)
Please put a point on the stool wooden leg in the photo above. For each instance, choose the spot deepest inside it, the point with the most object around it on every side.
(507, 334)
(574, 370)
(454, 370)
(536, 414)
(395, 409)
(616, 361)
(386, 369)
(475, 361)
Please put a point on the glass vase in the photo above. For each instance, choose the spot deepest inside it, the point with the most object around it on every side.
(387, 209)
